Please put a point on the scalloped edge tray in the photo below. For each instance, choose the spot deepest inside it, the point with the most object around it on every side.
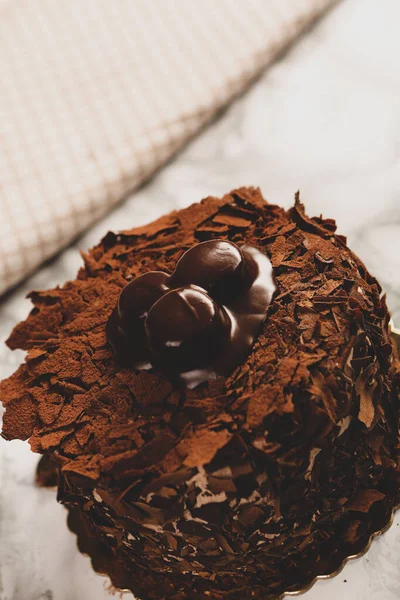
(286, 594)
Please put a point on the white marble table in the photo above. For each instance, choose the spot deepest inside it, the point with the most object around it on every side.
(324, 120)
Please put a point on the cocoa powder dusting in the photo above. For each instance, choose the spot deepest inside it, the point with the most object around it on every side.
(243, 487)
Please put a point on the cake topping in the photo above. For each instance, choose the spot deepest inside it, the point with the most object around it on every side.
(199, 322)
(140, 294)
(218, 266)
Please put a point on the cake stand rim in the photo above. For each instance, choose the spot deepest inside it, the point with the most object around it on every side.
(286, 594)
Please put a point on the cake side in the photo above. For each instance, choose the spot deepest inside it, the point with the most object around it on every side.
(242, 473)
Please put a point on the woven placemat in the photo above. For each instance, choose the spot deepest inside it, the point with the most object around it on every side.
(96, 95)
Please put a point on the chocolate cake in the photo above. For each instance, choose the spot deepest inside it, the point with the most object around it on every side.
(273, 459)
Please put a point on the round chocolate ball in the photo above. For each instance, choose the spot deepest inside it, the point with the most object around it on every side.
(185, 328)
(218, 266)
(139, 295)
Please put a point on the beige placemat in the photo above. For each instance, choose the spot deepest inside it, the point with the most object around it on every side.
(97, 94)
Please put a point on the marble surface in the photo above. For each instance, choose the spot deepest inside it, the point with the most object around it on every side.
(325, 119)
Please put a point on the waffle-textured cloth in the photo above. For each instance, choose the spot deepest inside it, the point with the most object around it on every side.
(97, 94)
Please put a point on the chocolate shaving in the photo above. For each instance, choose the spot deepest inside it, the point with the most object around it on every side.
(364, 499)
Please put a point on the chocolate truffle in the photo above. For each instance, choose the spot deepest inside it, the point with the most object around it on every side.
(252, 482)
(199, 322)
